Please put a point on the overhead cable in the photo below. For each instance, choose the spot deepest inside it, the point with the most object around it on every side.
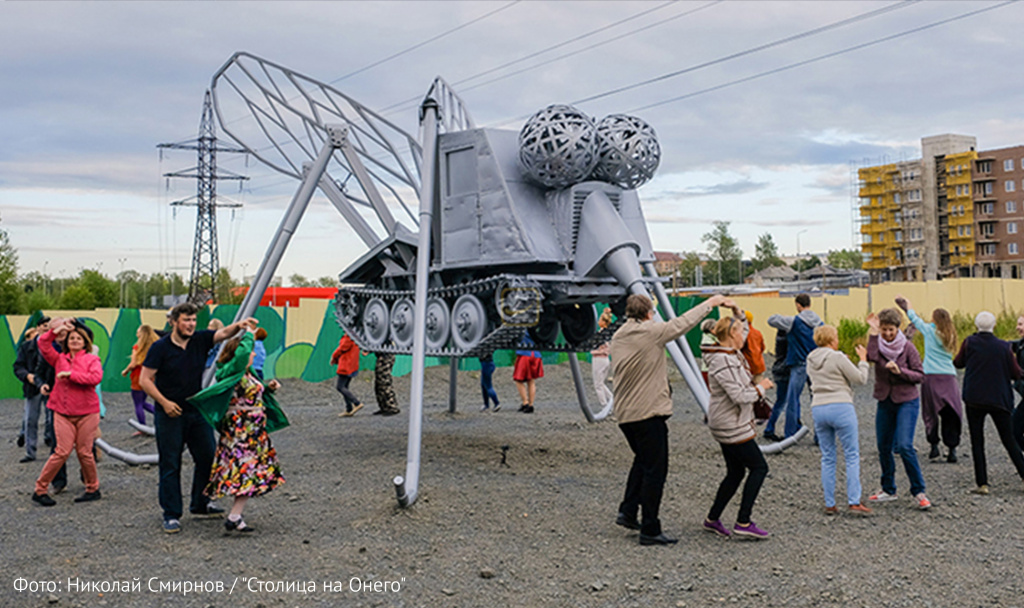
(426, 42)
(849, 49)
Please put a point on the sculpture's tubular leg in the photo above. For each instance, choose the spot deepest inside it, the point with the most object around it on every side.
(289, 223)
(407, 488)
(129, 457)
(775, 448)
(581, 392)
(135, 424)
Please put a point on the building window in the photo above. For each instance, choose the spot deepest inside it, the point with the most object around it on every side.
(896, 198)
(1011, 228)
(988, 187)
(899, 236)
(1008, 164)
(961, 210)
(1010, 185)
(867, 238)
(959, 230)
(986, 208)
(1011, 248)
(968, 231)
(1011, 206)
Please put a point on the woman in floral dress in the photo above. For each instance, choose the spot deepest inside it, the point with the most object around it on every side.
(244, 414)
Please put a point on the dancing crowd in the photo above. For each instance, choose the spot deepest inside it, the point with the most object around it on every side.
(61, 372)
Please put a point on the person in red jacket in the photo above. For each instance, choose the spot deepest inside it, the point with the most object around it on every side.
(753, 350)
(75, 405)
(346, 357)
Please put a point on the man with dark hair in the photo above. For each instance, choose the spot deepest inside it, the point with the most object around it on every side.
(643, 402)
(171, 373)
(25, 362)
(799, 343)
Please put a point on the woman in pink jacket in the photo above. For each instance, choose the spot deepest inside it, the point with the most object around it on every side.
(75, 405)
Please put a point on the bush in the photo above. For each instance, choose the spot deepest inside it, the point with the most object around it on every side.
(851, 333)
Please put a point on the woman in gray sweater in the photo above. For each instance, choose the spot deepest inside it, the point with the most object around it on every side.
(832, 377)
(731, 420)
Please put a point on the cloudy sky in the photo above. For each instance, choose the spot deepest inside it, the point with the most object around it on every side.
(761, 108)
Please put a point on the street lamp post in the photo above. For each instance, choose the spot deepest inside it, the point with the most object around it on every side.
(121, 295)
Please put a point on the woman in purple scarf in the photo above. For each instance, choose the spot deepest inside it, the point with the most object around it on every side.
(898, 371)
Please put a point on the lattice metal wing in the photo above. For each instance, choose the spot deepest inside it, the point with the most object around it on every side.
(452, 115)
(279, 116)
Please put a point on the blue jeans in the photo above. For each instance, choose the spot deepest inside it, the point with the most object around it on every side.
(894, 428)
(838, 420)
(172, 435)
(797, 380)
(781, 388)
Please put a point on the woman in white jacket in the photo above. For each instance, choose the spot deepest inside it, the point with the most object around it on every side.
(832, 376)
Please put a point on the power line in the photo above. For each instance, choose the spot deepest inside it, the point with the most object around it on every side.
(425, 42)
(756, 49)
(826, 56)
(540, 52)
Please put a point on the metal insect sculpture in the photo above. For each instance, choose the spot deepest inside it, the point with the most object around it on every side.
(512, 231)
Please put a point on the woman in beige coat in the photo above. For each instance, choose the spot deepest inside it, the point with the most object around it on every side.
(731, 420)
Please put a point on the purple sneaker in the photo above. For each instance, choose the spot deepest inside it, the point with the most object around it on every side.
(750, 529)
(717, 527)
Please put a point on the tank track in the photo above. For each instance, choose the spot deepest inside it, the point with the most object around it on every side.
(506, 335)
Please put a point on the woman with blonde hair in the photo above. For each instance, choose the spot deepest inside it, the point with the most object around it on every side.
(75, 405)
(731, 421)
(941, 407)
(832, 376)
(145, 337)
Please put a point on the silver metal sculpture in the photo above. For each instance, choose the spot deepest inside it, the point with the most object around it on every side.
(508, 236)
(558, 146)
(628, 153)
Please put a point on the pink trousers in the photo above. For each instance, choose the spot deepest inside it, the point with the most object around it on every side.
(73, 433)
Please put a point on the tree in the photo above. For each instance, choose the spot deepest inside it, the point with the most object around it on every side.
(298, 280)
(806, 263)
(688, 269)
(766, 253)
(845, 258)
(10, 292)
(327, 282)
(105, 291)
(724, 253)
(78, 297)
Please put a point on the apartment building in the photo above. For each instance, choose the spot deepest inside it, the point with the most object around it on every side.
(918, 217)
(998, 192)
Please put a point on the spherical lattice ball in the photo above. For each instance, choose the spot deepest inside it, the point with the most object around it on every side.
(558, 146)
(627, 151)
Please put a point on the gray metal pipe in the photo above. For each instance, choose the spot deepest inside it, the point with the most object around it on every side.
(407, 488)
(775, 448)
(581, 392)
(348, 211)
(135, 424)
(289, 223)
(129, 457)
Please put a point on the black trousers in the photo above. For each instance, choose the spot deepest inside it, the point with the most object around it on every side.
(1004, 426)
(740, 457)
(949, 426)
(646, 482)
(1018, 424)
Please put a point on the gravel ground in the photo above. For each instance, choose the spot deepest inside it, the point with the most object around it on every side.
(537, 532)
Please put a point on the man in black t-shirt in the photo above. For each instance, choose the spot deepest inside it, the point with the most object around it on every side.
(171, 373)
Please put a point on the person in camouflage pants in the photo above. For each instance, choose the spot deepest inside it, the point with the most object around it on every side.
(383, 387)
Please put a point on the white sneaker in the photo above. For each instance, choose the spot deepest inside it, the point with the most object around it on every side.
(881, 496)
